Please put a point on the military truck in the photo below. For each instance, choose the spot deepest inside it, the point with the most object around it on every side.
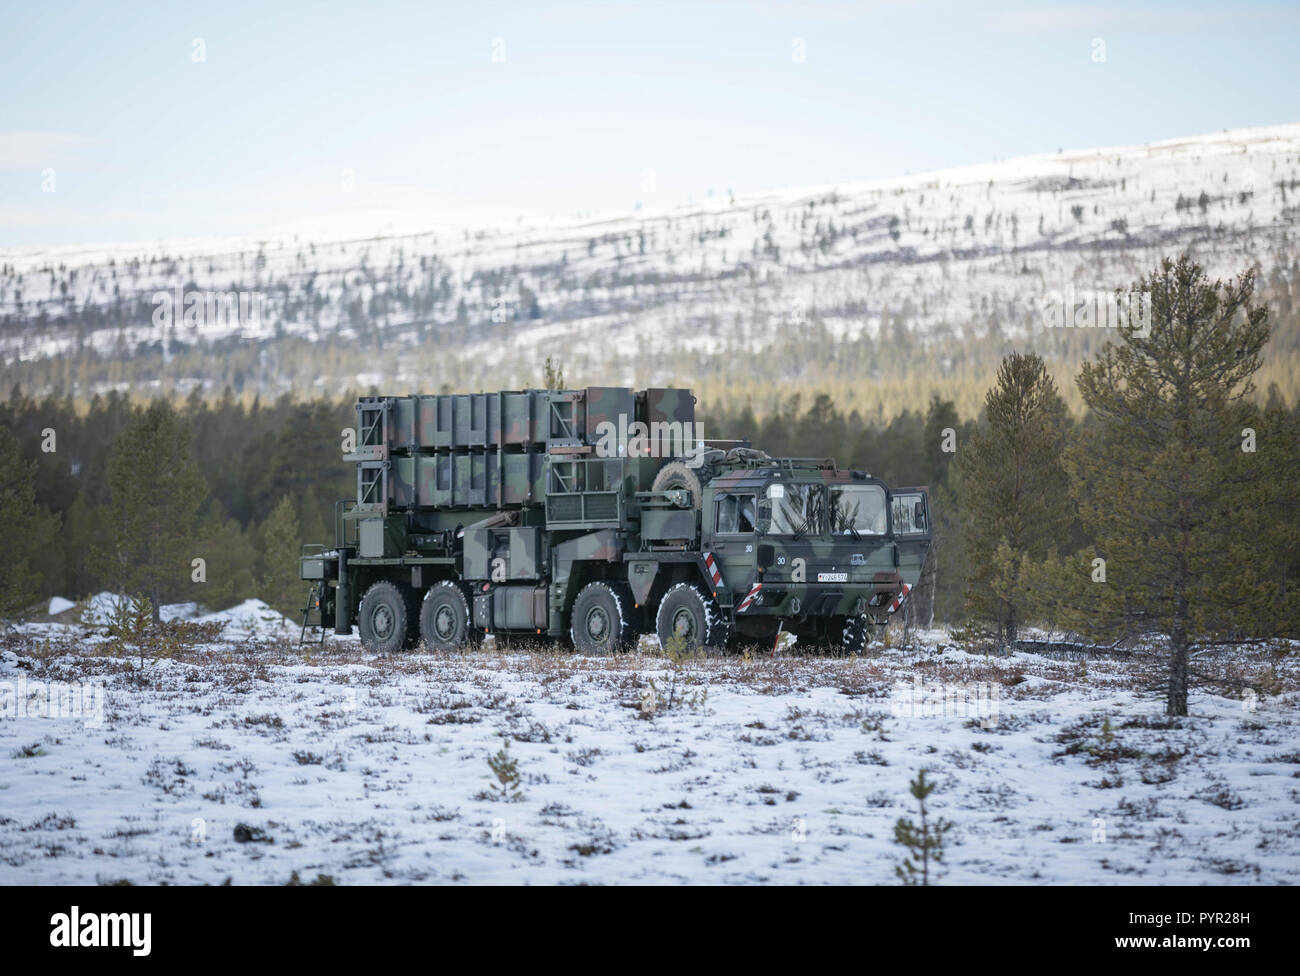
(597, 515)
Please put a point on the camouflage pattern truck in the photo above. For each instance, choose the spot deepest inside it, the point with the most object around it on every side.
(596, 516)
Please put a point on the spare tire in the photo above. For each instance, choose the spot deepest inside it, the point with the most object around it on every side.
(678, 475)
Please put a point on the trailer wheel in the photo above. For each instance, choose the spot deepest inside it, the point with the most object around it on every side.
(386, 617)
(602, 619)
(854, 634)
(689, 614)
(445, 623)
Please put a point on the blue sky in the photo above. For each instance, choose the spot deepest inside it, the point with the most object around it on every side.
(315, 116)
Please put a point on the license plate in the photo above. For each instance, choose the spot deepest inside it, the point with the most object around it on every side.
(832, 577)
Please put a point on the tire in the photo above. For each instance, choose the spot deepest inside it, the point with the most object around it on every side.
(679, 475)
(445, 620)
(601, 622)
(387, 618)
(855, 633)
(686, 611)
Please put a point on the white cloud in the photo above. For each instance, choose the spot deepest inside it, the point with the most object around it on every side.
(1041, 18)
(24, 149)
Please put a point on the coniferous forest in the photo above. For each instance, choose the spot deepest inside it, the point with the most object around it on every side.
(1077, 523)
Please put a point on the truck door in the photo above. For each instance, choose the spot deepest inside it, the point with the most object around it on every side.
(909, 523)
(733, 539)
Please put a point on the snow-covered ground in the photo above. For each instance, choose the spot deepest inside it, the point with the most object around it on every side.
(252, 759)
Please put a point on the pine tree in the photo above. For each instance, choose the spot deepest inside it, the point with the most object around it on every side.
(155, 492)
(946, 563)
(1269, 519)
(552, 375)
(940, 433)
(924, 841)
(83, 532)
(281, 586)
(231, 561)
(1162, 478)
(1012, 493)
(31, 528)
(940, 416)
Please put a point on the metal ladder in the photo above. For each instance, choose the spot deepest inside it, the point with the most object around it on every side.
(313, 603)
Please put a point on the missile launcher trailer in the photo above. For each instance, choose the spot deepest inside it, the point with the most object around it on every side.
(598, 515)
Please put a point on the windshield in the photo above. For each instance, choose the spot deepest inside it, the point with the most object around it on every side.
(796, 509)
(858, 508)
(908, 514)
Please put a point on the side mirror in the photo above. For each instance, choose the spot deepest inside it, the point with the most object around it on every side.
(766, 555)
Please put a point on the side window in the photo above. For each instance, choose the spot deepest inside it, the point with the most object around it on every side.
(908, 514)
(735, 513)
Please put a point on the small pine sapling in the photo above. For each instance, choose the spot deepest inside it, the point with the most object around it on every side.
(924, 843)
(506, 769)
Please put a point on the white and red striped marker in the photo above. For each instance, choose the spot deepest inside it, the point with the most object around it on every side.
(749, 598)
(898, 600)
(713, 569)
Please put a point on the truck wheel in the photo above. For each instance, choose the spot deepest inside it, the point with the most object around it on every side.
(854, 634)
(678, 474)
(602, 621)
(687, 613)
(387, 617)
(445, 623)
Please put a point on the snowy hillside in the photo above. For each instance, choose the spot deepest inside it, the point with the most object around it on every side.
(255, 761)
(936, 262)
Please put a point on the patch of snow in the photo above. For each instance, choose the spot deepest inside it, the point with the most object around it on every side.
(100, 608)
(251, 618)
(59, 604)
(179, 611)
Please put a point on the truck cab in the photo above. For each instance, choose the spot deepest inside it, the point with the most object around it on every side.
(810, 546)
